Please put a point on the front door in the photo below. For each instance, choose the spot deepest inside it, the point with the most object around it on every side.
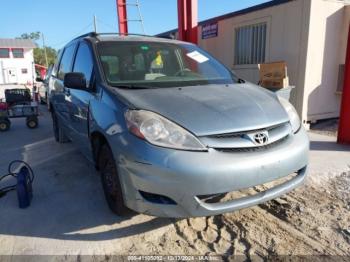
(80, 99)
(61, 94)
(11, 75)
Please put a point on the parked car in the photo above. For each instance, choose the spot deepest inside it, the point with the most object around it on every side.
(43, 87)
(171, 129)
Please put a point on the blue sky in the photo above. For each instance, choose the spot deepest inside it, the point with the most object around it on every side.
(62, 20)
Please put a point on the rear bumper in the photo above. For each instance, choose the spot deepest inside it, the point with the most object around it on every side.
(183, 176)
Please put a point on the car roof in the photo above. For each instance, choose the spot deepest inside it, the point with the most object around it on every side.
(116, 37)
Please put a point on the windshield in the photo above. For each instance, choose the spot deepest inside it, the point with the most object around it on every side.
(153, 65)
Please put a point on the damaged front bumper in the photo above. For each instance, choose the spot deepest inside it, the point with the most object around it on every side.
(169, 183)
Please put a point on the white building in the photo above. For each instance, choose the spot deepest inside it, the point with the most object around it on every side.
(310, 35)
(16, 61)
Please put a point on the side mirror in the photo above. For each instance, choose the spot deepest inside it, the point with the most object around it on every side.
(74, 80)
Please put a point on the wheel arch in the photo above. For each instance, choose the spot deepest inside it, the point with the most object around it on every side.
(97, 139)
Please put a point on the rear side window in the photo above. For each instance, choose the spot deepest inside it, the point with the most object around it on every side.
(66, 61)
(83, 62)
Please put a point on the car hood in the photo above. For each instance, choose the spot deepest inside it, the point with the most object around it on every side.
(212, 109)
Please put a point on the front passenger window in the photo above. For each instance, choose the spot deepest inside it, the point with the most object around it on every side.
(66, 61)
(83, 62)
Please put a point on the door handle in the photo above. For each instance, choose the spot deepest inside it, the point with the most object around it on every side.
(66, 91)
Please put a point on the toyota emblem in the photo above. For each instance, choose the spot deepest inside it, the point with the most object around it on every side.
(261, 138)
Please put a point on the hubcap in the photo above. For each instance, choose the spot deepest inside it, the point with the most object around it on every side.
(3, 126)
(31, 124)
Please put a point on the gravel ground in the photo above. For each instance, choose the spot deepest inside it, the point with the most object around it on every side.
(69, 215)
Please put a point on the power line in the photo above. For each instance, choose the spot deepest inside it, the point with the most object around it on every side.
(105, 24)
(72, 37)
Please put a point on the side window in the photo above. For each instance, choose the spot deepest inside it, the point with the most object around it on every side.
(83, 62)
(66, 61)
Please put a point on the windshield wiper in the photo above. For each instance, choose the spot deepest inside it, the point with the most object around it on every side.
(133, 87)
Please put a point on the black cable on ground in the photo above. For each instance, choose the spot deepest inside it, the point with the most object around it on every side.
(5, 190)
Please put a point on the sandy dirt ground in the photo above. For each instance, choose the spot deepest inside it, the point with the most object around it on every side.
(69, 215)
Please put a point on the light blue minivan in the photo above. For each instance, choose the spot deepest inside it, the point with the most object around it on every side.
(171, 130)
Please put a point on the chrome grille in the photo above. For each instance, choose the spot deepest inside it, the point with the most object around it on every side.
(239, 134)
(252, 149)
(243, 142)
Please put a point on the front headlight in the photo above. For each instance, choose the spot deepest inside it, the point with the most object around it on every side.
(292, 113)
(160, 131)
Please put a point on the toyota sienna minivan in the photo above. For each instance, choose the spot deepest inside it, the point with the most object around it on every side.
(171, 130)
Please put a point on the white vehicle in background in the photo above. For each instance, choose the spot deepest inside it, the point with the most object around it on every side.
(44, 86)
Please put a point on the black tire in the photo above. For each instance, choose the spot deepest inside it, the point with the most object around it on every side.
(58, 132)
(48, 105)
(42, 102)
(5, 125)
(110, 182)
(32, 122)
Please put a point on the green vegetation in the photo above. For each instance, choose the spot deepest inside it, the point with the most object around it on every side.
(39, 53)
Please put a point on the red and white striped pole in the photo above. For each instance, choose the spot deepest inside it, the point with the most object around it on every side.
(344, 122)
(122, 17)
(188, 20)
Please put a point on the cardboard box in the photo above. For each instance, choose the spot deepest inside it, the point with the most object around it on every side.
(275, 83)
(275, 70)
(274, 75)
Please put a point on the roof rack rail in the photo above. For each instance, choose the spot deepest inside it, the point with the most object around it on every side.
(94, 34)
(121, 34)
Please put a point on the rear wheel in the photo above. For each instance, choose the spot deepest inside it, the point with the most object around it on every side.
(58, 132)
(32, 122)
(5, 125)
(110, 182)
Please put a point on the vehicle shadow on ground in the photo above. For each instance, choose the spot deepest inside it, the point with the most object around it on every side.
(68, 201)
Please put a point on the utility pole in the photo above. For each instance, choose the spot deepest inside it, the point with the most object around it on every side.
(95, 24)
(42, 36)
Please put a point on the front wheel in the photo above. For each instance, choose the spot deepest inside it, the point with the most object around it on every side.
(32, 122)
(5, 125)
(58, 132)
(42, 102)
(110, 182)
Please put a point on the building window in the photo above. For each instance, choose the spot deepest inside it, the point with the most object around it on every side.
(4, 52)
(17, 52)
(250, 44)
